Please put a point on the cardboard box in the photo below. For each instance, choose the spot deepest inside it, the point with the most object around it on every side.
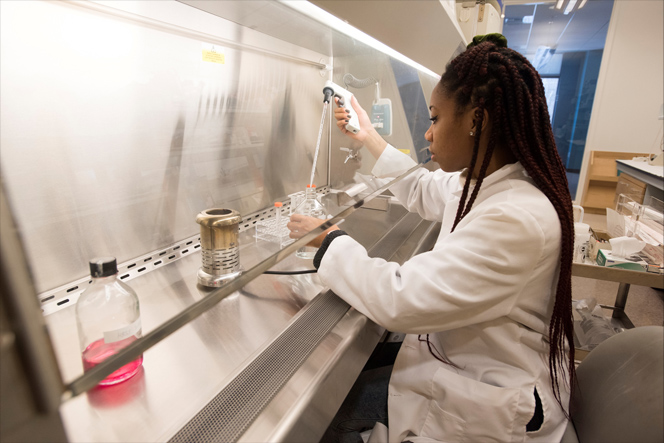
(633, 263)
(598, 240)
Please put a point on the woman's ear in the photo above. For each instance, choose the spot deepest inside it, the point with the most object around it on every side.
(485, 120)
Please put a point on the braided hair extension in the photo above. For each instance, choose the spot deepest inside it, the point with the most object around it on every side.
(501, 81)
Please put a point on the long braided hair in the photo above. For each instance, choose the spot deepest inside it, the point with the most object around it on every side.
(501, 81)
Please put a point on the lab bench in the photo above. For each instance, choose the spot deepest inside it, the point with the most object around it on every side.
(626, 278)
(271, 362)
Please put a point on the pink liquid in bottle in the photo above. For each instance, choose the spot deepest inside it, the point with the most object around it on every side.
(99, 351)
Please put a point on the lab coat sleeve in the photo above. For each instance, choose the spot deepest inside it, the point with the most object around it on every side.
(423, 191)
(392, 163)
(475, 274)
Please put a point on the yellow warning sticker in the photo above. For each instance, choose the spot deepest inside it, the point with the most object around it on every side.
(213, 53)
(405, 151)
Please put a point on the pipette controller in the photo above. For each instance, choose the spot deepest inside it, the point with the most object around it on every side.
(332, 89)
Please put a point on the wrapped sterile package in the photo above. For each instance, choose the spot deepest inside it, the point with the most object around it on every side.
(591, 327)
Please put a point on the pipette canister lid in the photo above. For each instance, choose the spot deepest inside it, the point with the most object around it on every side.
(218, 217)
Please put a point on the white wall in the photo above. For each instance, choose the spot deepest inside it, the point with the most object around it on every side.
(630, 87)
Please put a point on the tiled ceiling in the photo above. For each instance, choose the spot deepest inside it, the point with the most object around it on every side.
(582, 30)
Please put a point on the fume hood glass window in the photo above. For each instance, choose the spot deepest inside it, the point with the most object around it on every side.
(551, 92)
(566, 47)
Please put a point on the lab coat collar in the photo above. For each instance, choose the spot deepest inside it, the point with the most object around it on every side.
(512, 170)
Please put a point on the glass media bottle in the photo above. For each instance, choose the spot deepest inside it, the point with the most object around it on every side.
(312, 207)
(108, 319)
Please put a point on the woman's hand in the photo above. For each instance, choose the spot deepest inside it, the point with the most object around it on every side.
(342, 117)
(300, 225)
(367, 135)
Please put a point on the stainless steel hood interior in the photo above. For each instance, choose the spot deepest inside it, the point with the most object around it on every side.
(120, 121)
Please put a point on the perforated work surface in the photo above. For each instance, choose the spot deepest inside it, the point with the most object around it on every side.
(231, 412)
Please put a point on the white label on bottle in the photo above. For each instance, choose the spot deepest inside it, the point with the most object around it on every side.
(122, 333)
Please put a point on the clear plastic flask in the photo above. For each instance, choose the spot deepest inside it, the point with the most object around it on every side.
(311, 207)
(108, 319)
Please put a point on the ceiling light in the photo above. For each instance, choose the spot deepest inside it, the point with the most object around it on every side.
(568, 6)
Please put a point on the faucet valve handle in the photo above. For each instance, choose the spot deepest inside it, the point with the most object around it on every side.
(352, 154)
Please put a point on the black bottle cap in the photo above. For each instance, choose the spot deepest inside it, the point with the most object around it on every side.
(103, 267)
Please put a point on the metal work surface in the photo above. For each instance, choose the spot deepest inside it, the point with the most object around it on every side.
(232, 411)
(182, 374)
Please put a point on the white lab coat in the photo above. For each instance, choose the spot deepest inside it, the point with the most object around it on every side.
(485, 295)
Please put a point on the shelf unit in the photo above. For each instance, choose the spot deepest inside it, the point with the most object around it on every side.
(599, 189)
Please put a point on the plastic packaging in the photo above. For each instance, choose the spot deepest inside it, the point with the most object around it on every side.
(311, 207)
(581, 239)
(108, 319)
(590, 326)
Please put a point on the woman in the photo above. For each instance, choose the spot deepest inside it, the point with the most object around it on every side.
(489, 355)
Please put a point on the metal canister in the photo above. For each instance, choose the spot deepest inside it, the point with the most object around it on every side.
(220, 246)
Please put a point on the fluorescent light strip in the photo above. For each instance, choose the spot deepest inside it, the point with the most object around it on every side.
(333, 22)
(583, 2)
(570, 6)
(559, 5)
